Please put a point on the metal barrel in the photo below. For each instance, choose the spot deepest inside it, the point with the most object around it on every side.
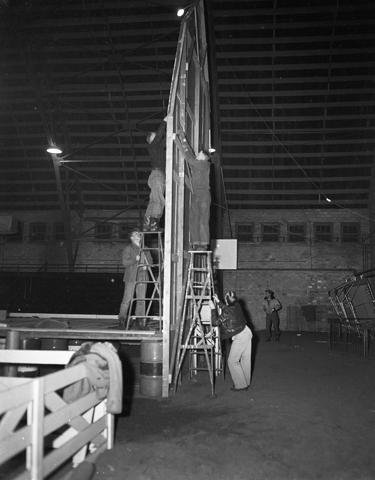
(29, 370)
(53, 343)
(151, 368)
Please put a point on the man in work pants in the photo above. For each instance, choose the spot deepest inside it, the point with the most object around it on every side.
(230, 318)
(131, 257)
(272, 306)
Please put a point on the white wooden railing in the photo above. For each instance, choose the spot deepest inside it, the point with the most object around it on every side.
(31, 409)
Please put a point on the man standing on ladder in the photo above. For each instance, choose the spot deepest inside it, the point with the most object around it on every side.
(156, 145)
(199, 216)
(131, 256)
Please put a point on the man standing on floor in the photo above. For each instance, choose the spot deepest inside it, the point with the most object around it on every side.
(230, 318)
(271, 306)
(131, 257)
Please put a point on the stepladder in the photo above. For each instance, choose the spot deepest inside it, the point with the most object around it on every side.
(198, 339)
(146, 306)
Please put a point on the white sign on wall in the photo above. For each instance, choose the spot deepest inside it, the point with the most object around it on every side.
(224, 253)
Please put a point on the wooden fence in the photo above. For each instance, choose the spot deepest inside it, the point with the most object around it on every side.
(33, 408)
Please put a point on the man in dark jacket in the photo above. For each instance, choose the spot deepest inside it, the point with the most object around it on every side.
(135, 277)
(232, 324)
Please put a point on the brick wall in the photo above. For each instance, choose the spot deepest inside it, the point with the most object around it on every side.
(300, 274)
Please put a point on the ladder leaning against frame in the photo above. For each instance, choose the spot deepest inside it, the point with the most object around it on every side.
(196, 333)
(148, 277)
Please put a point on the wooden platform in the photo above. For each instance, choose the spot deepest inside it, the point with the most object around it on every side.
(85, 327)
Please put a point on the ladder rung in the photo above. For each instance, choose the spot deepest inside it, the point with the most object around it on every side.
(192, 347)
(146, 298)
(198, 297)
(143, 265)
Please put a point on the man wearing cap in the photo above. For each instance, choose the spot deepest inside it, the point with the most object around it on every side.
(271, 306)
(135, 277)
(231, 320)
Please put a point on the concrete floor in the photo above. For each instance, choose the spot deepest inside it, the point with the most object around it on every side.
(310, 414)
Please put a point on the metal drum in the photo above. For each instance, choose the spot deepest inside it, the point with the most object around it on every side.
(29, 370)
(151, 368)
(54, 343)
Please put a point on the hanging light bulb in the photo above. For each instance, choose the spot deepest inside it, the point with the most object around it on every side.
(180, 12)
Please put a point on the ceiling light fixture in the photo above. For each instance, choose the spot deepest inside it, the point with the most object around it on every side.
(327, 199)
(52, 148)
(180, 12)
(212, 150)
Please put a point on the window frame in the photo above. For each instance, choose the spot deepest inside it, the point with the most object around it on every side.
(316, 234)
(270, 224)
(40, 236)
(251, 238)
(58, 233)
(18, 236)
(357, 233)
(289, 233)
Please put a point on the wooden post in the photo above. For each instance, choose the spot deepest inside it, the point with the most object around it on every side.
(37, 430)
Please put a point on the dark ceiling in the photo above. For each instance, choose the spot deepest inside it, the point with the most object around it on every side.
(295, 83)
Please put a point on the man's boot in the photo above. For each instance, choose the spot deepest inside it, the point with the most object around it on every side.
(154, 224)
(146, 224)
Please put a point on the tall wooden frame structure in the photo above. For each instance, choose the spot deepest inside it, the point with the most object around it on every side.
(189, 113)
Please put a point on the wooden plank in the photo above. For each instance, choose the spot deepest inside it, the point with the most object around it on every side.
(66, 316)
(41, 357)
(63, 453)
(15, 443)
(68, 413)
(9, 382)
(84, 334)
(62, 378)
(16, 396)
(10, 420)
